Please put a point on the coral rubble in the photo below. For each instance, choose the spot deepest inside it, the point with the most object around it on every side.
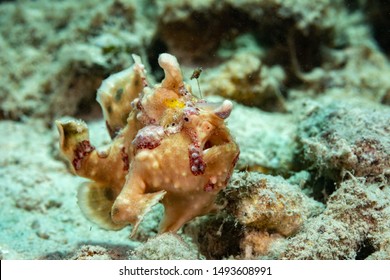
(260, 210)
(354, 225)
(309, 83)
(269, 203)
(335, 139)
(166, 246)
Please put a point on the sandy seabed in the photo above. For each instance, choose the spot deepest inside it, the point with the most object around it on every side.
(311, 115)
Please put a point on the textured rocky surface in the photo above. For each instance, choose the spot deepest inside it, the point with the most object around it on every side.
(341, 138)
(354, 225)
(311, 94)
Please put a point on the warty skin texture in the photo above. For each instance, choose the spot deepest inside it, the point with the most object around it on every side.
(173, 148)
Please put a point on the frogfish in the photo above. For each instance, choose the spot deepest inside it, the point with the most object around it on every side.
(167, 146)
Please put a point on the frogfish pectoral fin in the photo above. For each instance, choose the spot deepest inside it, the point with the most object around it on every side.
(179, 211)
(95, 201)
(131, 208)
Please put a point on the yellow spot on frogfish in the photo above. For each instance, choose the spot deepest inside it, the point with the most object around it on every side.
(174, 103)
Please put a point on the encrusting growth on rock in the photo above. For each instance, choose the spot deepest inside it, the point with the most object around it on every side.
(167, 145)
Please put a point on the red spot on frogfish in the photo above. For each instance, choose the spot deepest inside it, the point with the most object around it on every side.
(149, 137)
(197, 164)
(209, 187)
(125, 159)
(83, 149)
